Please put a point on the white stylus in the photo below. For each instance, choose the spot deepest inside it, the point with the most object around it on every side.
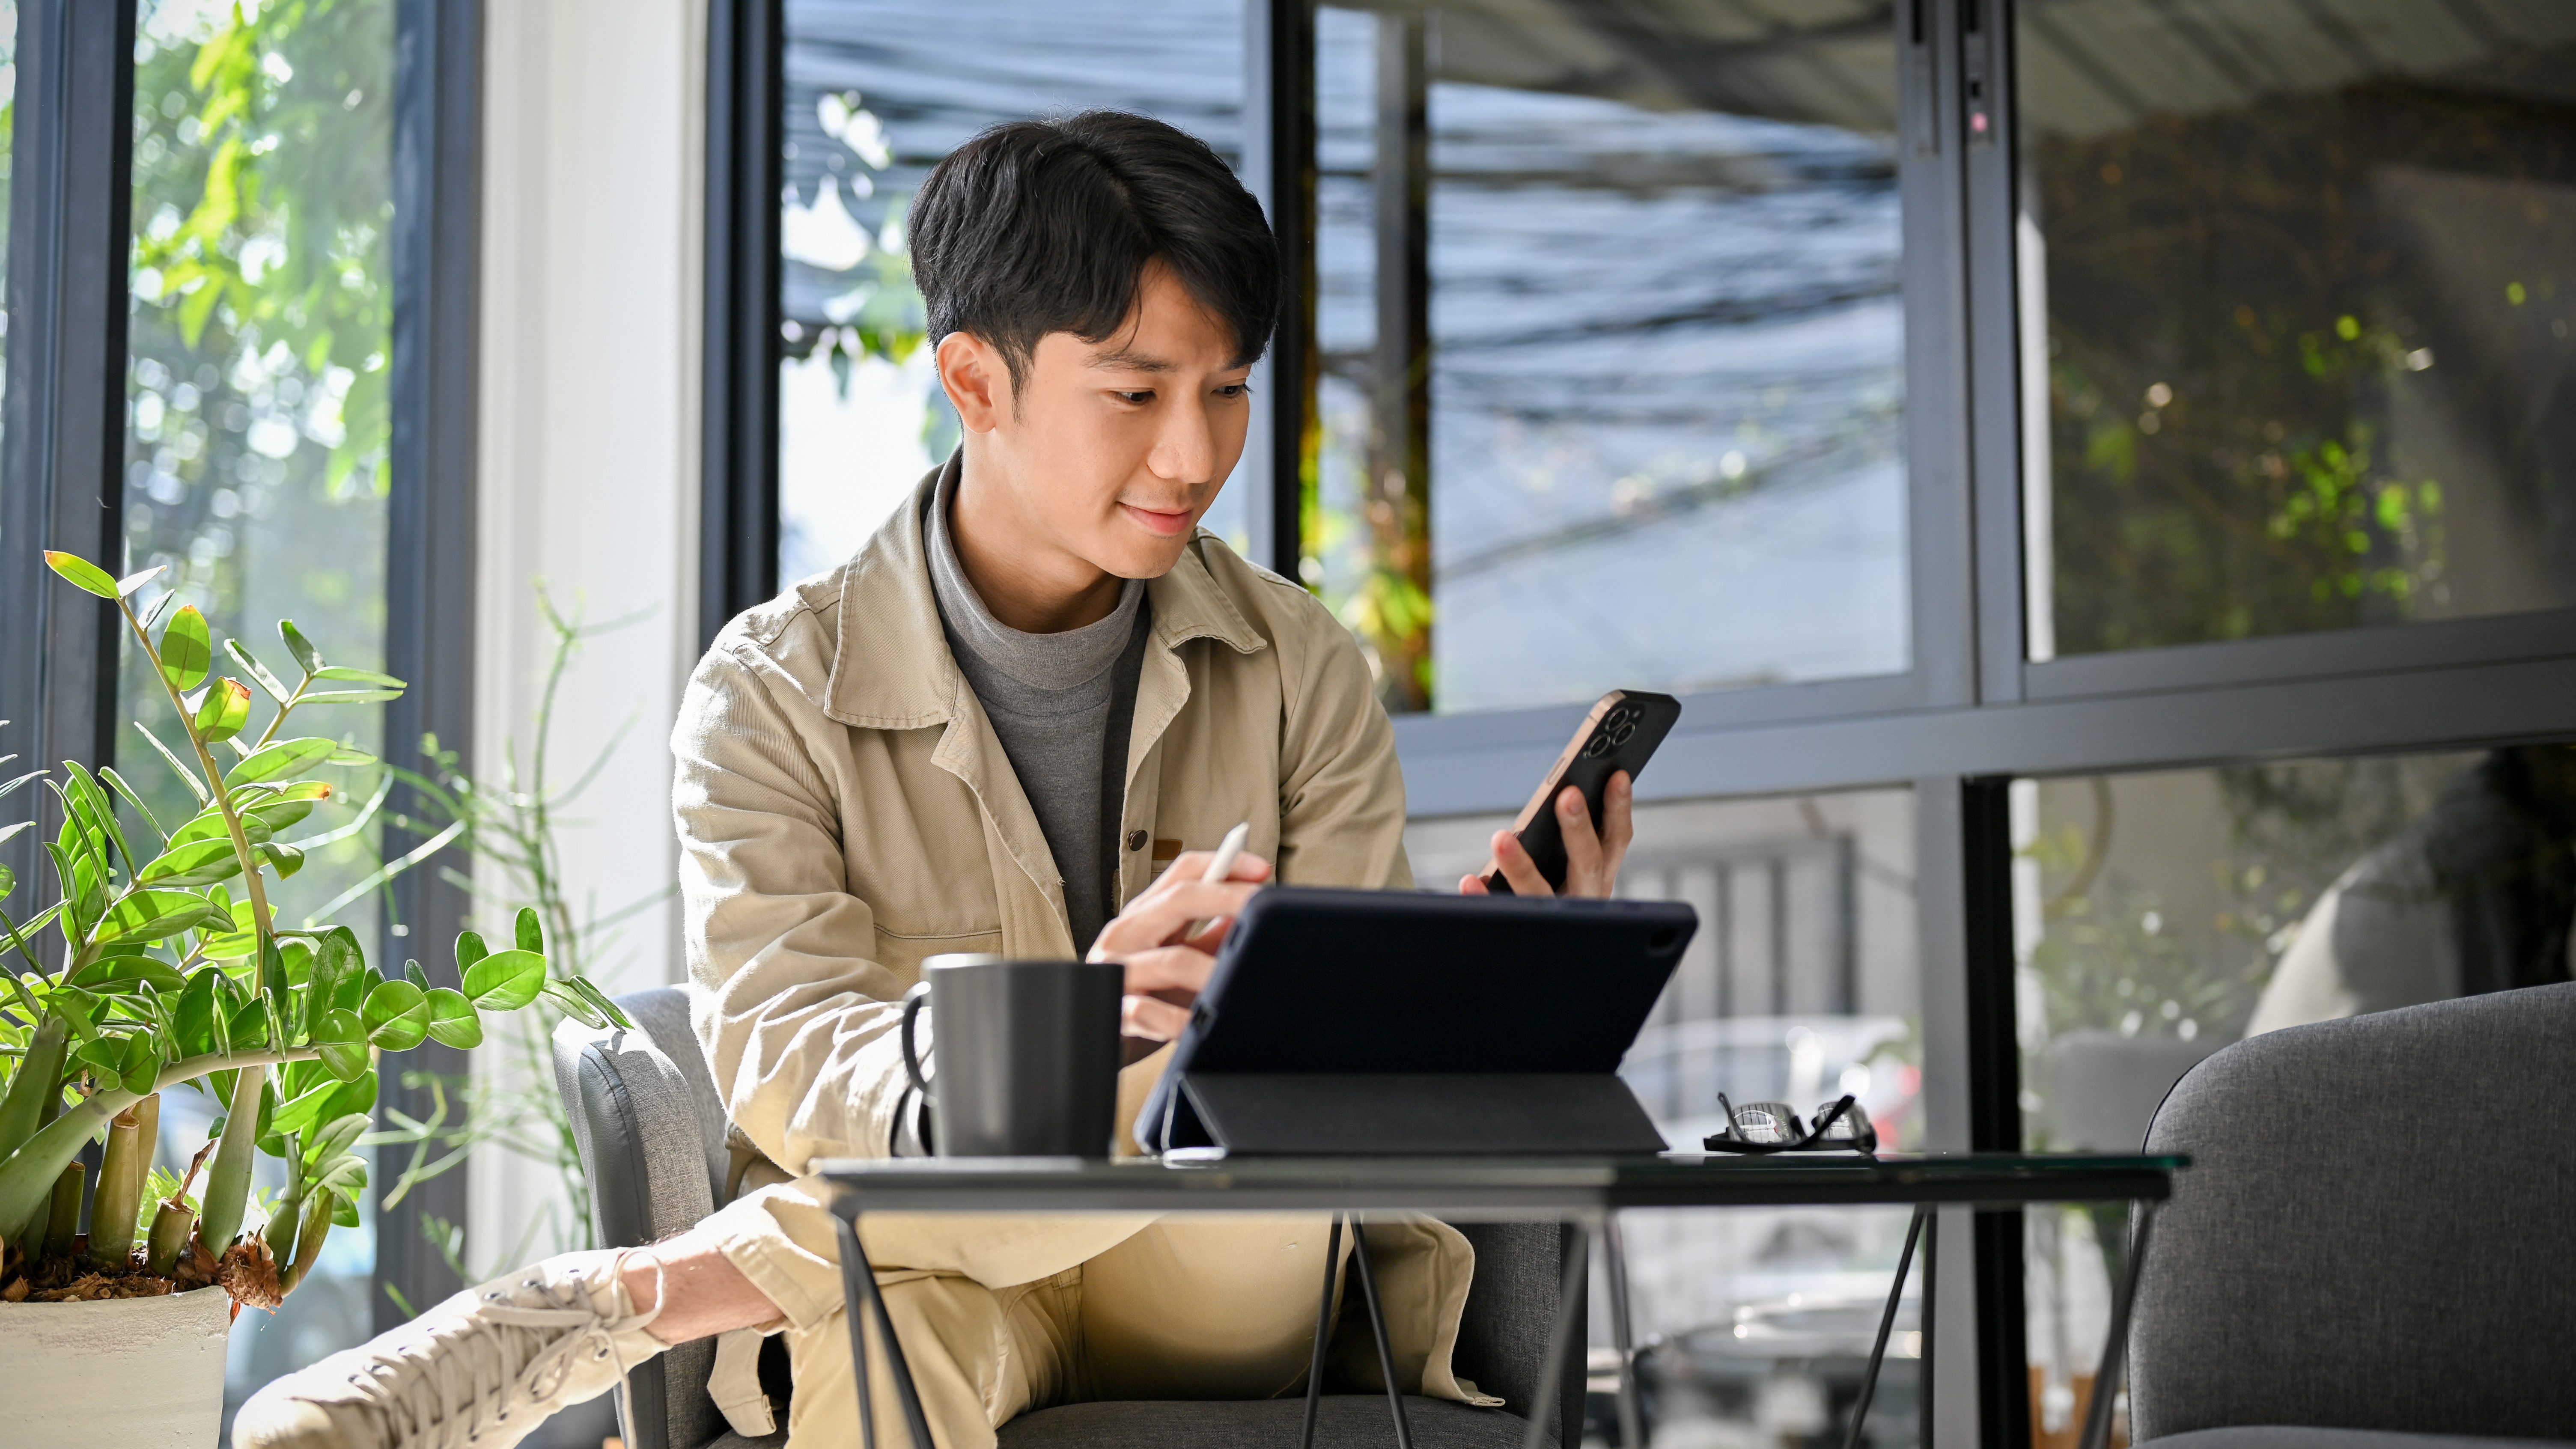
(1219, 868)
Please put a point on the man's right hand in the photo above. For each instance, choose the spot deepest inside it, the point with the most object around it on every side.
(1166, 970)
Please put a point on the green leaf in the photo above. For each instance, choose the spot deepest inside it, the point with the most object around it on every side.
(8, 877)
(334, 956)
(531, 934)
(248, 1030)
(222, 708)
(257, 671)
(80, 573)
(346, 1060)
(453, 1020)
(272, 968)
(187, 649)
(396, 1016)
(132, 796)
(129, 971)
(351, 696)
(285, 859)
(358, 676)
(142, 1067)
(350, 755)
(344, 1206)
(506, 980)
(305, 1108)
(195, 786)
(150, 915)
(469, 949)
(194, 1021)
(198, 862)
(299, 646)
(569, 1000)
(413, 974)
(126, 586)
(286, 757)
(333, 1139)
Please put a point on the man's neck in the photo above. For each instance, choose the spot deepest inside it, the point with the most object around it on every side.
(1025, 581)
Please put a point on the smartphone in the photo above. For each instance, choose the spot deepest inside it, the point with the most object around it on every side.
(1620, 733)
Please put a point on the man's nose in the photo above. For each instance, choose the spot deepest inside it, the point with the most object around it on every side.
(1184, 448)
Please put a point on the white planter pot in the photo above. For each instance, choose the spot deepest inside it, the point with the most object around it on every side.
(125, 1373)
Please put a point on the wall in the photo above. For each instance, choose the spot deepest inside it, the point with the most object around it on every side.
(591, 306)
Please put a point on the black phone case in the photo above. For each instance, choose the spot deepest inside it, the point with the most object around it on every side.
(1623, 738)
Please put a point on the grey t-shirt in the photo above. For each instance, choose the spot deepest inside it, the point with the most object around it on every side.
(1062, 705)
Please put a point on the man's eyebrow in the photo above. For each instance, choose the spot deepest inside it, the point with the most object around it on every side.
(1123, 360)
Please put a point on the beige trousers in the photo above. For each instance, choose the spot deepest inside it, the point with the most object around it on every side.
(1000, 1314)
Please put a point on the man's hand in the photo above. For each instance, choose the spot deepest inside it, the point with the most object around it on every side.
(1165, 970)
(1591, 858)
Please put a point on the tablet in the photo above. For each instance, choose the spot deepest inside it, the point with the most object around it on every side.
(1316, 981)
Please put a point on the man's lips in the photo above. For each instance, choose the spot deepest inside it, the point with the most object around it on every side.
(1158, 522)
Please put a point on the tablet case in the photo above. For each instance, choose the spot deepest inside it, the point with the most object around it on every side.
(1345, 1022)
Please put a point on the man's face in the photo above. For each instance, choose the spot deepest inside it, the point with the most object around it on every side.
(1106, 453)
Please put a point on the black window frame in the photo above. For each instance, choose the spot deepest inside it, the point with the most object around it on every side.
(1971, 713)
(62, 459)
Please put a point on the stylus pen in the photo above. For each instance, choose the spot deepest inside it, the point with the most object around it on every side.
(1221, 867)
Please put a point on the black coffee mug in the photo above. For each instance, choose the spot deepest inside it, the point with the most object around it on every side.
(1028, 1054)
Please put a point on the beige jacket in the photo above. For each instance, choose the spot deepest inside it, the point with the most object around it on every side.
(845, 810)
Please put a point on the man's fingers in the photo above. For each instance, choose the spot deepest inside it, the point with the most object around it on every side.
(1582, 845)
(1167, 968)
(1619, 809)
(1151, 1019)
(1473, 885)
(1518, 868)
(1156, 916)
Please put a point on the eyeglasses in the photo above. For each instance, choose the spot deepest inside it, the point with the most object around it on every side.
(1761, 1128)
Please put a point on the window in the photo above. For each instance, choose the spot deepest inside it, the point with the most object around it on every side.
(2159, 917)
(1801, 985)
(877, 92)
(2297, 291)
(258, 430)
(1611, 349)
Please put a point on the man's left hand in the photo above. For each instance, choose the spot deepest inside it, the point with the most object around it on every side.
(1592, 857)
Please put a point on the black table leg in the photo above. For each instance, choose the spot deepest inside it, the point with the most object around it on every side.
(1377, 1323)
(1560, 1342)
(1886, 1325)
(2106, 1379)
(1623, 1333)
(1323, 1332)
(859, 1290)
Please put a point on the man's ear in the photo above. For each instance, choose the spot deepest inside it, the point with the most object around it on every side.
(978, 384)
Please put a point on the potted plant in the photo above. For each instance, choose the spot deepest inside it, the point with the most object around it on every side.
(171, 971)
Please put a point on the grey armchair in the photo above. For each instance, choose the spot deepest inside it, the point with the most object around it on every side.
(2375, 1246)
(652, 1136)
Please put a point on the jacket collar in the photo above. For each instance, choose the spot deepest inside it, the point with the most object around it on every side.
(891, 668)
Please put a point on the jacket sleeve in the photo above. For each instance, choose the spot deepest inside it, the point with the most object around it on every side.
(798, 1024)
(1341, 790)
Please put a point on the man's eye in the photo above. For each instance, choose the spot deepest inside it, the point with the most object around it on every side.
(1234, 390)
(1138, 398)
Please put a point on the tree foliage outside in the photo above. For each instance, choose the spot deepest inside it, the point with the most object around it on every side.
(259, 415)
(2295, 384)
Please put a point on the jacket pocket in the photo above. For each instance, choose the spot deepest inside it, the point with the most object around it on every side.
(903, 951)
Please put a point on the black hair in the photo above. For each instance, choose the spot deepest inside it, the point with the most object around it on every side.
(1046, 226)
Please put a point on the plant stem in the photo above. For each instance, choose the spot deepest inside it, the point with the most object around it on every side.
(40, 1074)
(308, 1240)
(120, 1192)
(169, 1237)
(228, 1182)
(62, 1223)
(261, 920)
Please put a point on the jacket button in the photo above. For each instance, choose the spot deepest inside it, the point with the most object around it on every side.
(1135, 840)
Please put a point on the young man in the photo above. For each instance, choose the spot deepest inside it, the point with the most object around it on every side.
(1013, 723)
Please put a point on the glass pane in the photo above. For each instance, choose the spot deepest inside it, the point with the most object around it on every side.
(877, 92)
(257, 428)
(1612, 378)
(1801, 985)
(2297, 348)
(2159, 917)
